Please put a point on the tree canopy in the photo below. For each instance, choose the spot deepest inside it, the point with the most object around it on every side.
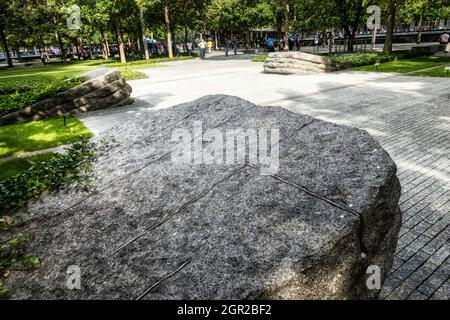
(125, 23)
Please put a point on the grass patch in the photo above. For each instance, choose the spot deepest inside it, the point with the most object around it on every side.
(411, 65)
(436, 72)
(64, 70)
(9, 168)
(260, 58)
(17, 139)
(132, 74)
(71, 68)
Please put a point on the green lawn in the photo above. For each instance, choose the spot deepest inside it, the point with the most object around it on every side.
(17, 139)
(9, 168)
(71, 68)
(412, 65)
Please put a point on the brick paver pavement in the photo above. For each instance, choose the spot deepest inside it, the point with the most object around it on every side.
(415, 130)
(409, 116)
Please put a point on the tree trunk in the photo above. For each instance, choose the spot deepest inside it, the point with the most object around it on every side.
(355, 24)
(123, 58)
(186, 36)
(349, 35)
(419, 31)
(105, 45)
(61, 46)
(286, 25)
(17, 50)
(216, 40)
(59, 40)
(6, 49)
(351, 41)
(142, 39)
(247, 40)
(78, 51)
(174, 38)
(81, 57)
(168, 32)
(387, 49)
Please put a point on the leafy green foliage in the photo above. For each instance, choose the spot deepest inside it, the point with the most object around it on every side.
(12, 252)
(30, 262)
(360, 59)
(239, 15)
(19, 94)
(370, 58)
(427, 9)
(260, 58)
(59, 171)
(132, 74)
(9, 168)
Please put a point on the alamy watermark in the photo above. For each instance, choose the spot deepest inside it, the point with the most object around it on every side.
(374, 20)
(373, 281)
(74, 278)
(232, 146)
(74, 20)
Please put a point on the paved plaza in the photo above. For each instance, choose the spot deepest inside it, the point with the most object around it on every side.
(409, 116)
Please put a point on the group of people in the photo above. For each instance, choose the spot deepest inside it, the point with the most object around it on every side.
(205, 46)
(294, 43)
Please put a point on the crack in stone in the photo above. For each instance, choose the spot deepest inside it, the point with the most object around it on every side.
(311, 193)
(171, 274)
(175, 213)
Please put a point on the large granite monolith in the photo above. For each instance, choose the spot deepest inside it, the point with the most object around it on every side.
(155, 228)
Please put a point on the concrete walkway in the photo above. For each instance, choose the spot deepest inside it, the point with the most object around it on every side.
(409, 116)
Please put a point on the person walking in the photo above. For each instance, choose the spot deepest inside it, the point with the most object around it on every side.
(202, 47)
(443, 41)
(209, 45)
(235, 45)
(189, 47)
(281, 44)
(226, 46)
(298, 43)
(43, 58)
(270, 44)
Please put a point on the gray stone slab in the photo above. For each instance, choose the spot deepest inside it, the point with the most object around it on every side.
(157, 229)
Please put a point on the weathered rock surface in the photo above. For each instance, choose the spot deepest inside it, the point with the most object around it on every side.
(154, 229)
(105, 88)
(297, 63)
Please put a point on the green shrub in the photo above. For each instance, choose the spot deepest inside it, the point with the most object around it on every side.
(260, 58)
(132, 74)
(360, 59)
(56, 172)
(9, 168)
(136, 62)
(350, 60)
(410, 54)
(19, 94)
(11, 253)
